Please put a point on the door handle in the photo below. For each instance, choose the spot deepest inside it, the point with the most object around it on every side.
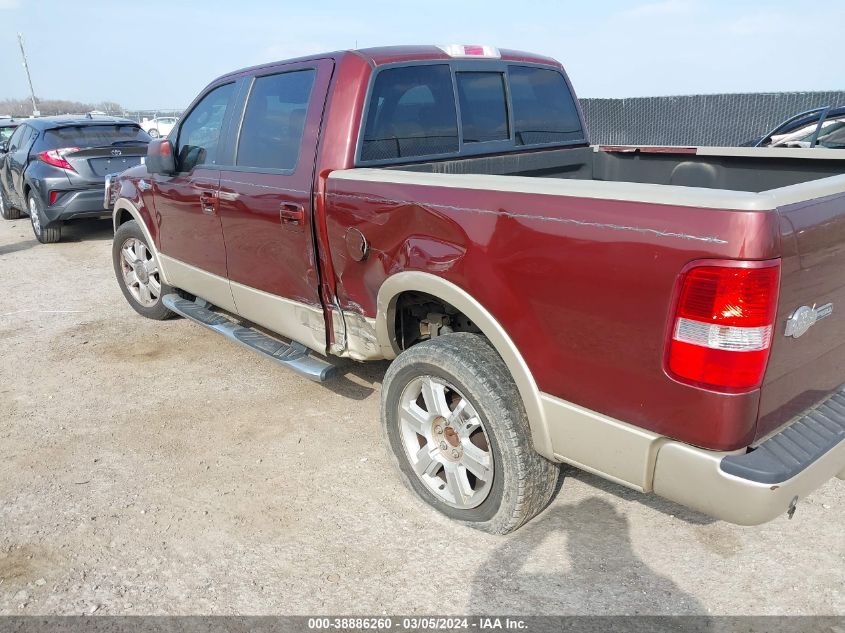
(208, 202)
(291, 213)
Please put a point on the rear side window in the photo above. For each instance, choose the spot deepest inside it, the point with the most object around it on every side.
(484, 110)
(6, 133)
(543, 108)
(94, 136)
(271, 134)
(411, 113)
(200, 131)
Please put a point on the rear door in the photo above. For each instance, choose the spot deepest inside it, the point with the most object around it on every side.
(265, 200)
(16, 161)
(187, 202)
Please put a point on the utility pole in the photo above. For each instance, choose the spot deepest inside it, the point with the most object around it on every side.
(35, 111)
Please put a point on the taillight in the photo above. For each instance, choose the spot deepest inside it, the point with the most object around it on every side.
(56, 157)
(723, 325)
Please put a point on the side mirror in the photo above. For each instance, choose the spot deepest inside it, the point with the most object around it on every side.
(160, 157)
(4, 147)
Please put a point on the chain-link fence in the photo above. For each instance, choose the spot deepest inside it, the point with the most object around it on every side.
(720, 119)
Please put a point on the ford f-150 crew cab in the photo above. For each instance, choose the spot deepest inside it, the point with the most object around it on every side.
(669, 318)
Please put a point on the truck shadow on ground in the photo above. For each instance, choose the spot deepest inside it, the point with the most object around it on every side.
(355, 380)
(649, 500)
(596, 571)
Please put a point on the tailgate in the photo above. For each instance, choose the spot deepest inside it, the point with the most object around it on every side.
(803, 370)
(92, 164)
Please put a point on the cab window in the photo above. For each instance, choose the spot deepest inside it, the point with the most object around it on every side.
(200, 132)
(15, 140)
(484, 110)
(274, 120)
(412, 113)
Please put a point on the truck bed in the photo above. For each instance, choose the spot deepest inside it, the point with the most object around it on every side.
(728, 168)
(580, 250)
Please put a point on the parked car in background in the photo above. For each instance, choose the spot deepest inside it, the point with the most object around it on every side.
(53, 168)
(819, 127)
(632, 311)
(159, 126)
(7, 127)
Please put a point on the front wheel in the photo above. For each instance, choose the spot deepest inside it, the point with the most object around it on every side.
(458, 430)
(137, 272)
(154, 133)
(45, 235)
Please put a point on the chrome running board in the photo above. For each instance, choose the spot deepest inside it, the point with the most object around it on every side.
(292, 355)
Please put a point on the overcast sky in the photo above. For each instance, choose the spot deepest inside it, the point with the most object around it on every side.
(153, 54)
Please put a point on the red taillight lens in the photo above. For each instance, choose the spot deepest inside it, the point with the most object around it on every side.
(56, 157)
(723, 325)
(54, 195)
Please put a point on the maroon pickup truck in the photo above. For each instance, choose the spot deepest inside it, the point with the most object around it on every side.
(668, 318)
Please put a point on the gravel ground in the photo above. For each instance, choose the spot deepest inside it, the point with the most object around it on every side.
(155, 468)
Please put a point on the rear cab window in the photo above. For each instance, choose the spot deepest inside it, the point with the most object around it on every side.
(99, 135)
(484, 109)
(412, 113)
(456, 108)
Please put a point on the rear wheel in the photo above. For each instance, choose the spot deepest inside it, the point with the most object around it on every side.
(45, 235)
(138, 274)
(7, 211)
(458, 431)
(154, 133)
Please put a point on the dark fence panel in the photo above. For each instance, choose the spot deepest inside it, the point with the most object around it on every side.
(721, 119)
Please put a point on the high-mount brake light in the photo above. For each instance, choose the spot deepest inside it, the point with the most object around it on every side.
(724, 319)
(56, 157)
(470, 50)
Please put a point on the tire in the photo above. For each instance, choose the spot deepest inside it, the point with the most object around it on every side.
(154, 133)
(520, 483)
(148, 304)
(48, 235)
(7, 211)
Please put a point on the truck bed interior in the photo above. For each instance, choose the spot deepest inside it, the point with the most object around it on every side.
(734, 173)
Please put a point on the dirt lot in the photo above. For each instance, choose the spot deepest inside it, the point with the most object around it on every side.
(155, 468)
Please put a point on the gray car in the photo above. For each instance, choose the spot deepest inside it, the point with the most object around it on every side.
(54, 168)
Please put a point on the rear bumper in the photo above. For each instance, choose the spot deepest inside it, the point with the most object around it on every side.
(743, 487)
(86, 203)
(695, 478)
(754, 487)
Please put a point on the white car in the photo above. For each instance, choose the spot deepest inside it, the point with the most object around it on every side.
(159, 126)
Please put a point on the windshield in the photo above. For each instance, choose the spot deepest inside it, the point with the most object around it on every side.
(95, 135)
(832, 135)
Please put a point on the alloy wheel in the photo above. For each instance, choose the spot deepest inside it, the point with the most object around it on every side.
(140, 272)
(445, 442)
(34, 217)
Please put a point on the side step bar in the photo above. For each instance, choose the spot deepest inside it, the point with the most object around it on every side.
(292, 355)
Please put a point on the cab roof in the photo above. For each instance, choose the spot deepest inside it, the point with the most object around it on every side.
(381, 55)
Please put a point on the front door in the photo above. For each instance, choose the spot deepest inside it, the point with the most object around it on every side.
(187, 203)
(265, 202)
